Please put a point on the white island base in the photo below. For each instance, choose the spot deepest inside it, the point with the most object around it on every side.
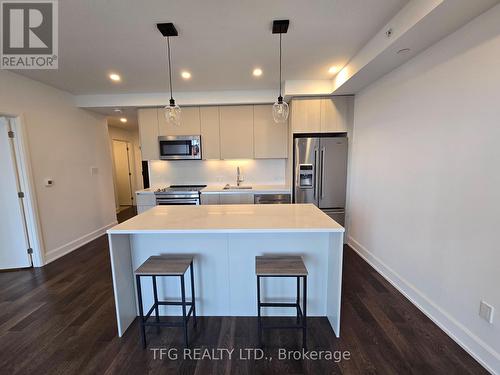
(224, 241)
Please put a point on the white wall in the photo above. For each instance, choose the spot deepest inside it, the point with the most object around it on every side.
(217, 172)
(64, 143)
(131, 136)
(425, 181)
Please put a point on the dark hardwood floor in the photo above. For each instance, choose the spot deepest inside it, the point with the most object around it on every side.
(126, 213)
(60, 319)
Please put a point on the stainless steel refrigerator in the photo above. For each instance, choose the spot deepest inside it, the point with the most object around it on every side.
(320, 173)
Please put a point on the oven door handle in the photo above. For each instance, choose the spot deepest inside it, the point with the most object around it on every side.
(165, 201)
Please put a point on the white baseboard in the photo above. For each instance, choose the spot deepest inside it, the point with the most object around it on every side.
(60, 251)
(478, 349)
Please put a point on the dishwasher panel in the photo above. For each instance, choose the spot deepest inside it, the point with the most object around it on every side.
(272, 198)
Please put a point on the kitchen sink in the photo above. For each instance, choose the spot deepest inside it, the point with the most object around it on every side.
(235, 187)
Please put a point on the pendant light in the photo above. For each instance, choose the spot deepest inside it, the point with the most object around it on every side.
(172, 111)
(280, 108)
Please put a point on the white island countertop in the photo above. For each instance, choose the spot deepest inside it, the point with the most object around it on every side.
(244, 218)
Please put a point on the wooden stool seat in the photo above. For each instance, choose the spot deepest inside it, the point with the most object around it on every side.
(277, 265)
(165, 265)
(283, 266)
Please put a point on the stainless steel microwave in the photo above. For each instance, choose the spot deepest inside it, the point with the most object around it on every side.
(180, 147)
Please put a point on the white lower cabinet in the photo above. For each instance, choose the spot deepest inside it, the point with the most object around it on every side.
(225, 198)
(144, 200)
(237, 198)
(210, 198)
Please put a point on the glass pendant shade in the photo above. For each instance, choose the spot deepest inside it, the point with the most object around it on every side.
(280, 111)
(173, 114)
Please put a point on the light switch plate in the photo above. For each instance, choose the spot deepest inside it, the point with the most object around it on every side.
(94, 171)
(486, 311)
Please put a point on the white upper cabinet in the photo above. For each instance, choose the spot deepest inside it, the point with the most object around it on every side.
(334, 114)
(210, 133)
(190, 122)
(236, 132)
(227, 132)
(148, 132)
(306, 115)
(320, 115)
(270, 138)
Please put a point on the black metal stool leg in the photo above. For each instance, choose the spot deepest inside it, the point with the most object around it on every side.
(155, 294)
(304, 314)
(259, 319)
(184, 319)
(141, 312)
(298, 299)
(192, 292)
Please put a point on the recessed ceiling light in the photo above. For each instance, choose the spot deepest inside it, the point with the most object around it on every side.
(115, 77)
(117, 110)
(186, 75)
(333, 69)
(403, 51)
(257, 72)
(123, 119)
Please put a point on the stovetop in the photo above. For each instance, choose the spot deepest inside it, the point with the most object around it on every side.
(180, 189)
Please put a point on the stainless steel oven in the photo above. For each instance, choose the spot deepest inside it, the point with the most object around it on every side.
(180, 147)
(179, 195)
(172, 200)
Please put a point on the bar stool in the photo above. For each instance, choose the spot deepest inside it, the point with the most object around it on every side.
(166, 266)
(283, 266)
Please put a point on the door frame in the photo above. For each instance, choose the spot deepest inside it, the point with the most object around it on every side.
(23, 166)
(131, 168)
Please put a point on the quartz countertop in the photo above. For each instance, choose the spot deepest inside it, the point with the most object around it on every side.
(146, 191)
(244, 218)
(256, 189)
(217, 189)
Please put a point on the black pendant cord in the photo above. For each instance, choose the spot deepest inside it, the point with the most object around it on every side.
(169, 70)
(280, 98)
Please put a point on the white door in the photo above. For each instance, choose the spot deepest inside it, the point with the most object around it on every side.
(123, 172)
(13, 238)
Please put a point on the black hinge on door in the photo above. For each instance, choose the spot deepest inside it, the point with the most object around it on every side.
(30, 251)
(20, 194)
(11, 134)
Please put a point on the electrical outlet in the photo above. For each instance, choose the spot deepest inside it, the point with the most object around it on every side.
(94, 171)
(486, 311)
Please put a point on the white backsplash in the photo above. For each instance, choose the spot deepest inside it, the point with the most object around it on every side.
(217, 172)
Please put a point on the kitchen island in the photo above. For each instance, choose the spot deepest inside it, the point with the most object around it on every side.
(224, 240)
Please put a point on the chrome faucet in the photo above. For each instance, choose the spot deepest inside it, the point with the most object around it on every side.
(239, 180)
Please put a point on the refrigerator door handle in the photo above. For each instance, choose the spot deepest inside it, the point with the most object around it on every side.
(323, 150)
(315, 172)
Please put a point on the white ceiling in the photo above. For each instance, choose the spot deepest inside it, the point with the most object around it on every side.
(113, 117)
(220, 42)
